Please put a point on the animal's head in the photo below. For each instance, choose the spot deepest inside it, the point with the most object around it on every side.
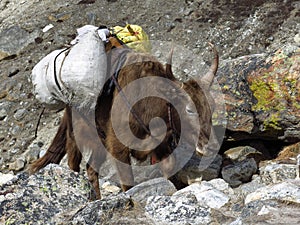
(198, 108)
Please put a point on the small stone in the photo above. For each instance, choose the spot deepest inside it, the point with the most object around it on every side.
(154, 187)
(42, 153)
(4, 178)
(15, 150)
(107, 186)
(264, 211)
(289, 153)
(170, 26)
(3, 114)
(32, 154)
(18, 165)
(57, 121)
(239, 172)
(38, 40)
(241, 153)
(47, 28)
(20, 114)
(297, 38)
(15, 130)
(13, 72)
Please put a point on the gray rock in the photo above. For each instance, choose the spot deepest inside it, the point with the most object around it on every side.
(15, 130)
(269, 212)
(32, 153)
(107, 188)
(3, 114)
(239, 172)
(116, 209)
(247, 89)
(158, 186)
(18, 164)
(276, 173)
(253, 185)
(141, 171)
(99, 211)
(208, 194)
(4, 178)
(193, 171)
(13, 40)
(288, 191)
(46, 197)
(177, 209)
(243, 152)
(20, 113)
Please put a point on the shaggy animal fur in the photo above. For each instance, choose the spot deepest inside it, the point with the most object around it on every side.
(72, 136)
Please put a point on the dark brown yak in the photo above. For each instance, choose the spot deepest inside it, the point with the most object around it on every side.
(77, 132)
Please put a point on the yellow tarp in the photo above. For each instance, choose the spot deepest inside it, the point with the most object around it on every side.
(134, 37)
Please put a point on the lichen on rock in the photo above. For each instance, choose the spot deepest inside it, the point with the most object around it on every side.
(276, 88)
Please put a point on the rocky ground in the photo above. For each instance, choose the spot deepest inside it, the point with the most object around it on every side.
(248, 182)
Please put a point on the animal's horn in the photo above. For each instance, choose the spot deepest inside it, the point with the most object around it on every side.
(169, 71)
(208, 78)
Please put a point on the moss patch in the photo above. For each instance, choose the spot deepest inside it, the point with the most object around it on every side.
(272, 122)
(276, 87)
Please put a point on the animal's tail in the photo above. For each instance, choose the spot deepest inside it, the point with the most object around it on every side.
(57, 149)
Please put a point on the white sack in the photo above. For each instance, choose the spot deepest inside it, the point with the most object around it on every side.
(81, 74)
(82, 31)
(45, 88)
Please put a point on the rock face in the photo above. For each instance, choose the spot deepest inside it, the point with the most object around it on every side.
(259, 46)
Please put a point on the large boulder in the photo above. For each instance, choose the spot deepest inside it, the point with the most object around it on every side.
(288, 191)
(48, 196)
(262, 95)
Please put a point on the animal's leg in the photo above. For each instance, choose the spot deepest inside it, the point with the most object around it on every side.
(93, 176)
(96, 159)
(122, 162)
(74, 155)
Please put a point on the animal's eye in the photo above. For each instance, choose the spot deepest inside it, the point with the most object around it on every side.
(190, 110)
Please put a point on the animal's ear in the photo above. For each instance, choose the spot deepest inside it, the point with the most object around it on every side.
(169, 72)
(208, 78)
